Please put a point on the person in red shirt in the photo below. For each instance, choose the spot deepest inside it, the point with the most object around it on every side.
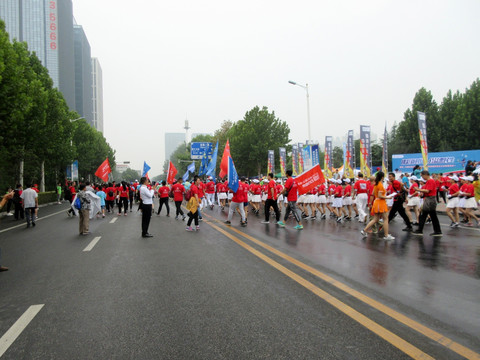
(468, 203)
(413, 200)
(398, 200)
(210, 193)
(222, 194)
(35, 188)
(237, 202)
(178, 191)
(271, 201)
(73, 192)
(163, 195)
(122, 194)
(201, 197)
(264, 188)
(429, 191)
(331, 196)
(291, 193)
(110, 199)
(338, 201)
(453, 200)
(322, 200)
(347, 198)
(256, 193)
(361, 192)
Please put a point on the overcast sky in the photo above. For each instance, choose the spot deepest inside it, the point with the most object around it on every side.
(214, 60)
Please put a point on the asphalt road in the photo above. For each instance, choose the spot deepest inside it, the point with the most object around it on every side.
(259, 292)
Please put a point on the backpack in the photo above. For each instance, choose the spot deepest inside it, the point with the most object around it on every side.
(188, 195)
(77, 204)
(110, 193)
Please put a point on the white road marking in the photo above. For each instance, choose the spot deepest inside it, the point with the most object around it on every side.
(113, 220)
(14, 332)
(92, 243)
(40, 218)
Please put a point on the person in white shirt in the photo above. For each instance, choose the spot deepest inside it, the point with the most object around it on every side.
(146, 196)
(30, 204)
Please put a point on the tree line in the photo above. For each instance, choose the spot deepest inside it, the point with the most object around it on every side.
(38, 133)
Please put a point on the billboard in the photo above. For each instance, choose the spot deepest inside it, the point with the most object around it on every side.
(438, 162)
(198, 148)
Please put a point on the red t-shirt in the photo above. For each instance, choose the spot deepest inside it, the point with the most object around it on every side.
(210, 187)
(291, 187)
(264, 188)
(194, 190)
(271, 185)
(239, 196)
(256, 189)
(321, 189)
(72, 190)
(413, 189)
(123, 192)
(338, 191)
(201, 190)
(178, 191)
(279, 188)
(468, 189)
(431, 186)
(163, 191)
(112, 190)
(348, 190)
(361, 186)
(331, 189)
(245, 190)
(453, 189)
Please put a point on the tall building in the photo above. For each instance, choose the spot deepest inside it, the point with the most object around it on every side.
(172, 141)
(47, 27)
(83, 75)
(97, 82)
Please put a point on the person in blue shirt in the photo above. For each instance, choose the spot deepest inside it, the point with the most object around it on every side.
(405, 181)
(102, 195)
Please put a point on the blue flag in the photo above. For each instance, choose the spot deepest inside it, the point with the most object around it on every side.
(185, 176)
(191, 167)
(146, 168)
(204, 164)
(213, 164)
(232, 176)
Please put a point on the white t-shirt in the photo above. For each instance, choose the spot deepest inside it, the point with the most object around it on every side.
(29, 195)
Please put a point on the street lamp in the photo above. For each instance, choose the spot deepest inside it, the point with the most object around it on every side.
(308, 107)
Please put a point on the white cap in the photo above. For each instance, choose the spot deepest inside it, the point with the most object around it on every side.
(413, 177)
(279, 181)
(256, 181)
(422, 180)
(339, 181)
(347, 181)
(463, 178)
(469, 178)
(454, 177)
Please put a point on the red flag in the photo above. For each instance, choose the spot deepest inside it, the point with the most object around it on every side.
(103, 171)
(172, 171)
(309, 179)
(224, 163)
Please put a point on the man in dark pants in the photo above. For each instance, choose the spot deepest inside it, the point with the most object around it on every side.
(429, 191)
(146, 196)
(271, 200)
(398, 203)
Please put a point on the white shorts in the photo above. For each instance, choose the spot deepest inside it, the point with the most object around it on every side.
(264, 197)
(414, 201)
(321, 199)
(222, 196)
(256, 198)
(389, 202)
(470, 203)
(250, 197)
(331, 198)
(347, 201)
(309, 199)
(280, 198)
(337, 202)
(301, 199)
(230, 196)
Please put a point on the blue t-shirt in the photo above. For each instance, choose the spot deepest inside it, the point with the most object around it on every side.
(406, 182)
(101, 194)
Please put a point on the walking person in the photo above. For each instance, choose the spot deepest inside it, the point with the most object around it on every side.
(178, 191)
(146, 197)
(59, 193)
(30, 204)
(237, 202)
(71, 195)
(84, 211)
(398, 200)
(413, 201)
(122, 192)
(193, 204)
(271, 200)
(429, 207)
(17, 203)
(163, 196)
(452, 204)
(290, 192)
(379, 207)
(102, 195)
(361, 197)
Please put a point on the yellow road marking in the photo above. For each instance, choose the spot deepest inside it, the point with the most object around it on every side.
(422, 329)
(385, 334)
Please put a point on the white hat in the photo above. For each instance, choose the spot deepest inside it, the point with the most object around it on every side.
(413, 177)
(347, 181)
(463, 178)
(256, 181)
(279, 181)
(469, 178)
(339, 181)
(422, 180)
(454, 177)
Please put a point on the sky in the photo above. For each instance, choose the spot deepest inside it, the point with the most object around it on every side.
(210, 61)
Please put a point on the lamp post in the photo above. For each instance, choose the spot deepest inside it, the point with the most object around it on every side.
(308, 107)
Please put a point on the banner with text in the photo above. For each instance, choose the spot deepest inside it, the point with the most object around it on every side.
(365, 151)
(271, 162)
(283, 161)
(300, 158)
(307, 157)
(294, 160)
(385, 151)
(422, 129)
(315, 155)
(309, 180)
(349, 161)
(327, 162)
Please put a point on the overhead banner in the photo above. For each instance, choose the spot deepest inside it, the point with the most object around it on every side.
(283, 161)
(75, 170)
(422, 129)
(327, 162)
(271, 161)
(315, 155)
(349, 160)
(300, 158)
(385, 151)
(307, 157)
(365, 151)
(309, 179)
(294, 160)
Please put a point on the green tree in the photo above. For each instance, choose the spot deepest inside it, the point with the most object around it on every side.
(252, 137)
(337, 157)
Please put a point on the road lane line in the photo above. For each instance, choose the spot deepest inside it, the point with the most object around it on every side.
(14, 332)
(113, 220)
(92, 243)
(422, 329)
(385, 334)
(40, 218)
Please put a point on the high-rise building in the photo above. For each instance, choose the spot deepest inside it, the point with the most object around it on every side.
(172, 141)
(47, 27)
(83, 75)
(97, 82)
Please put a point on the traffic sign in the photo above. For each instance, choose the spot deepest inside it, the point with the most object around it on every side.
(198, 149)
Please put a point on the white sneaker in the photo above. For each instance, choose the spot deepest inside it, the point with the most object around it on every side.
(388, 237)
(10, 214)
(265, 222)
(364, 234)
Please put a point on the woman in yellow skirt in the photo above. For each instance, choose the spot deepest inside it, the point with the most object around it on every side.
(379, 207)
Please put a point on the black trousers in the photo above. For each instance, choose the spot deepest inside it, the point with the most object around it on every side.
(146, 216)
(164, 201)
(192, 217)
(398, 207)
(123, 201)
(292, 206)
(19, 212)
(271, 203)
(433, 217)
(109, 205)
(178, 205)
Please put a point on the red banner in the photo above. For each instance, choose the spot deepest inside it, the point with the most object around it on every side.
(172, 171)
(224, 163)
(309, 179)
(103, 171)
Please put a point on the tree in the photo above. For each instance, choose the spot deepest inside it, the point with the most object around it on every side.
(252, 137)
(337, 157)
